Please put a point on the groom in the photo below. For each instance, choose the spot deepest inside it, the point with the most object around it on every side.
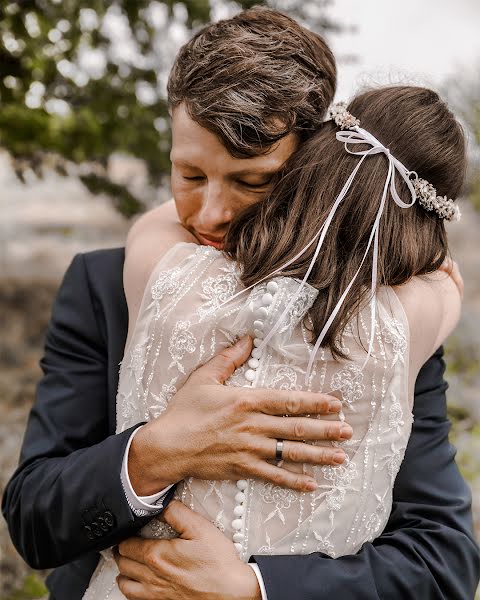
(243, 93)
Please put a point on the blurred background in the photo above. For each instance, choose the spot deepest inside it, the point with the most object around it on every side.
(84, 143)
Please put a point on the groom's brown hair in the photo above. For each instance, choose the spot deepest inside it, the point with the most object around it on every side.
(253, 79)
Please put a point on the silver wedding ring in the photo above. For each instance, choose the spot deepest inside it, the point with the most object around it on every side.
(279, 450)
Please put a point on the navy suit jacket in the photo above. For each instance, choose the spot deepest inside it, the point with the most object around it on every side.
(65, 501)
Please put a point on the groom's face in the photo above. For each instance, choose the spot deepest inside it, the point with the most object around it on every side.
(209, 185)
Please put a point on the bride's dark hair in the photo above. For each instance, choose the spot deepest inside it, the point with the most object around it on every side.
(421, 132)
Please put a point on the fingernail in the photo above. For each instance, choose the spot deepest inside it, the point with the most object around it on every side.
(244, 341)
(345, 432)
(338, 458)
(312, 485)
(335, 406)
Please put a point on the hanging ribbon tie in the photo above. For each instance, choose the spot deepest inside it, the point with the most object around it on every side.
(352, 137)
(362, 136)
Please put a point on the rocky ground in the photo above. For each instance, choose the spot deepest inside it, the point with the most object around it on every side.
(44, 224)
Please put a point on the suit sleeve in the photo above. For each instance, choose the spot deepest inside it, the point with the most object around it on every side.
(427, 550)
(66, 497)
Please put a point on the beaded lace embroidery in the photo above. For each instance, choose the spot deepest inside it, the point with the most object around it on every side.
(177, 331)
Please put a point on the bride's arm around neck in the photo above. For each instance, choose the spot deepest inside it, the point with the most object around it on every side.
(149, 238)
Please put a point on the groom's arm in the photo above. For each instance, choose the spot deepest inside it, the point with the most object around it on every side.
(427, 550)
(66, 498)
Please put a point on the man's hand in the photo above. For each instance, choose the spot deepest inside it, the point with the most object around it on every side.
(202, 564)
(212, 431)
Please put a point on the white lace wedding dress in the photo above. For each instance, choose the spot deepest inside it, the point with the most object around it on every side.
(180, 326)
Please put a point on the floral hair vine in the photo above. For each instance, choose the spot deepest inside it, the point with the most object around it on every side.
(424, 191)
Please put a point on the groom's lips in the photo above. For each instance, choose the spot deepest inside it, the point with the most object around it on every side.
(210, 241)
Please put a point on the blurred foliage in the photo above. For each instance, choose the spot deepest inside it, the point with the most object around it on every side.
(31, 588)
(462, 359)
(475, 192)
(463, 94)
(80, 80)
(463, 355)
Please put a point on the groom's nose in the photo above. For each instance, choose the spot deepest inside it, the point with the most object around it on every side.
(215, 212)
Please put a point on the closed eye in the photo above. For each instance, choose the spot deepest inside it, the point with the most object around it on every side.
(254, 185)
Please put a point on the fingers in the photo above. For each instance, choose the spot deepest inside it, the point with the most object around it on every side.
(303, 428)
(457, 278)
(141, 550)
(299, 452)
(446, 265)
(132, 590)
(134, 570)
(223, 365)
(286, 402)
(285, 478)
(189, 524)
(450, 267)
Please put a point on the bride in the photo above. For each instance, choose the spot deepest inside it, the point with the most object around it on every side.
(338, 277)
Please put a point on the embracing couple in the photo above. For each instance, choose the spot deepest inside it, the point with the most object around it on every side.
(280, 401)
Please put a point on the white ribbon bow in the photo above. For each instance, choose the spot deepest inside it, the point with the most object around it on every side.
(353, 137)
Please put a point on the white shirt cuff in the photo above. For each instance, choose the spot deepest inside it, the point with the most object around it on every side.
(257, 572)
(140, 505)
